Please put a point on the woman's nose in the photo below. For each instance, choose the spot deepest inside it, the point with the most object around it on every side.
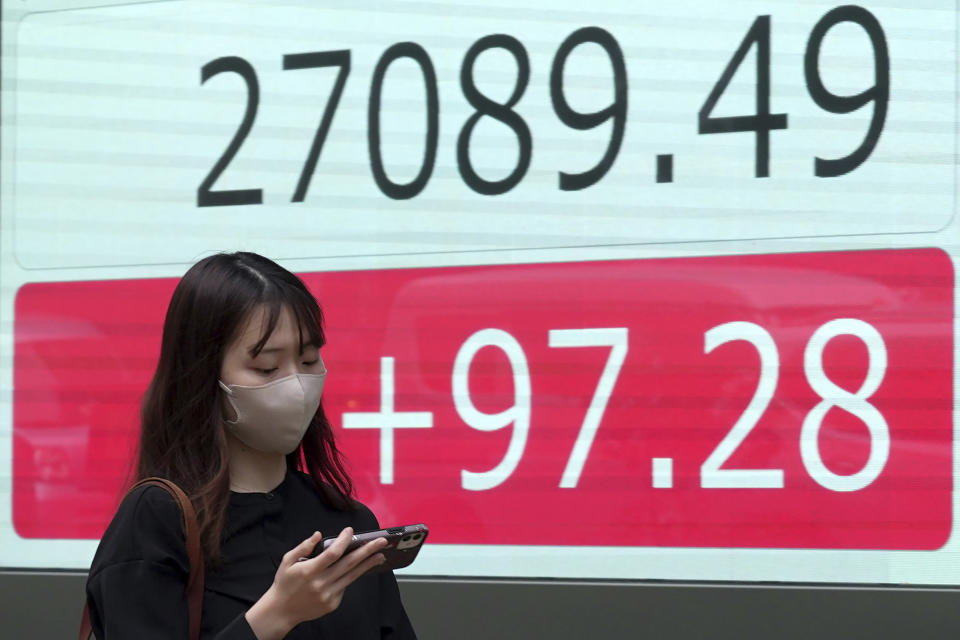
(289, 368)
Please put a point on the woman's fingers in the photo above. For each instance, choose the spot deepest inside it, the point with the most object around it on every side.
(302, 550)
(338, 563)
(314, 586)
(367, 556)
(365, 565)
(336, 549)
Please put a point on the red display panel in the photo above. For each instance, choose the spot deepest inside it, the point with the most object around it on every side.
(789, 400)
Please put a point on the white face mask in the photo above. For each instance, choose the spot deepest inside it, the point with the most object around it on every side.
(273, 417)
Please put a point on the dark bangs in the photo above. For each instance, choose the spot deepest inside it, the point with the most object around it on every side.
(305, 309)
(279, 288)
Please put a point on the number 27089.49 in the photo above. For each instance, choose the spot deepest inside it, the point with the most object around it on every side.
(762, 122)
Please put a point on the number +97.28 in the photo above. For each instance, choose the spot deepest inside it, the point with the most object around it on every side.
(761, 123)
(713, 475)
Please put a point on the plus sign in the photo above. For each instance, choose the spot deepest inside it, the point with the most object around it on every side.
(387, 420)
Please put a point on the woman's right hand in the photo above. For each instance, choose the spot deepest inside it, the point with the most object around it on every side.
(306, 588)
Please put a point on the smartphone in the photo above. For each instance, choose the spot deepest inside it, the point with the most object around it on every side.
(403, 545)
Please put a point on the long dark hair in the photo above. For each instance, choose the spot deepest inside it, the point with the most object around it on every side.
(181, 435)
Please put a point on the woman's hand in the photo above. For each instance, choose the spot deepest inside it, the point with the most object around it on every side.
(307, 588)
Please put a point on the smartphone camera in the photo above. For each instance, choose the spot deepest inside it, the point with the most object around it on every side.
(409, 540)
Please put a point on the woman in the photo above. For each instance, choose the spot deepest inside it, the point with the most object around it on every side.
(233, 416)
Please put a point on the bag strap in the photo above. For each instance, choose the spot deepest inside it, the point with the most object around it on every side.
(194, 589)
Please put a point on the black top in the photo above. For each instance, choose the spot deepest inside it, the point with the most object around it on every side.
(137, 579)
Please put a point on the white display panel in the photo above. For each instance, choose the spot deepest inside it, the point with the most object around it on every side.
(114, 132)
(109, 132)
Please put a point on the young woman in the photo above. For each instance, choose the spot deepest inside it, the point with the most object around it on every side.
(233, 416)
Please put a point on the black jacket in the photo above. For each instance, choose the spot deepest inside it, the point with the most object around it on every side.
(136, 582)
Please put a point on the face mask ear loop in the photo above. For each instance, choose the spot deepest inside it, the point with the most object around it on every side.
(229, 396)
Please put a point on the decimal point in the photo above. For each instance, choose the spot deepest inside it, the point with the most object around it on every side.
(665, 167)
(663, 473)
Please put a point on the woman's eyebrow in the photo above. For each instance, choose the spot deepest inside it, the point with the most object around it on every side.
(252, 350)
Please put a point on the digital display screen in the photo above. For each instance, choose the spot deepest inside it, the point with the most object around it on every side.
(629, 291)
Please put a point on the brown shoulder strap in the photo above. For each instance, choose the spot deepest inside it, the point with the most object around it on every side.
(194, 554)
